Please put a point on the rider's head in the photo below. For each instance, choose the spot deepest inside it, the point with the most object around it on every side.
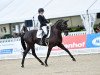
(40, 10)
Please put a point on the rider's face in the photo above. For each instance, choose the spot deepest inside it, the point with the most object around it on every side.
(41, 13)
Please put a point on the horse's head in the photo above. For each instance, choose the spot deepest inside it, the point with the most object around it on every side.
(62, 25)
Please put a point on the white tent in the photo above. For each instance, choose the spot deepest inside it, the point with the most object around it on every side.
(95, 8)
(62, 8)
(19, 10)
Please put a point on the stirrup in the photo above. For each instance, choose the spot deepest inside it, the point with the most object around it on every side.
(42, 41)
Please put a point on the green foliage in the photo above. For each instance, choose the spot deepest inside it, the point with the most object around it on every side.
(75, 29)
(6, 36)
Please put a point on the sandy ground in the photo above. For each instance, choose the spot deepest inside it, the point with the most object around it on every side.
(63, 65)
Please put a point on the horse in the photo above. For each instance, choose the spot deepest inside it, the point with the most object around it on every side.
(55, 39)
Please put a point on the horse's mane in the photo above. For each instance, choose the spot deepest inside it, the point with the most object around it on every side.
(57, 22)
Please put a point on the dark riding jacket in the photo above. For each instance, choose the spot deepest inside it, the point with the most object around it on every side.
(42, 21)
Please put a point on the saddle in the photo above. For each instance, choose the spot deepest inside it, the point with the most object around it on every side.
(40, 34)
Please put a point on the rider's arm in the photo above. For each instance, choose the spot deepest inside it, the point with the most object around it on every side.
(46, 20)
(40, 18)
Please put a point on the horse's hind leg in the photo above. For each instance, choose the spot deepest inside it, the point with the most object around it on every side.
(34, 54)
(62, 47)
(48, 53)
(24, 55)
(23, 43)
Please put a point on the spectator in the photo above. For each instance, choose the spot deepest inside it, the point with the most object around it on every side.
(98, 29)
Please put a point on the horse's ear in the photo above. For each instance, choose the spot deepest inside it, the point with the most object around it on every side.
(67, 20)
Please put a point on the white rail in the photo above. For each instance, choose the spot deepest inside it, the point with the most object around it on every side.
(77, 33)
(9, 40)
(18, 39)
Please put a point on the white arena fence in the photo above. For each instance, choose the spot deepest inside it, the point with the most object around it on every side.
(76, 42)
(77, 33)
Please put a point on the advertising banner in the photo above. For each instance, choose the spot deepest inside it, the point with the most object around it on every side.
(93, 40)
(10, 49)
(6, 51)
(80, 44)
(73, 42)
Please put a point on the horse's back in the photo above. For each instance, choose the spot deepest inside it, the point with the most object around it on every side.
(30, 34)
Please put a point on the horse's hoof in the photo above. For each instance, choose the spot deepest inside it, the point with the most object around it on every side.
(22, 66)
(74, 59)
(42, 63)
(46, 65)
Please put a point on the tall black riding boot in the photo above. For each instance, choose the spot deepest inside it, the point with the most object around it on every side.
(43, 39)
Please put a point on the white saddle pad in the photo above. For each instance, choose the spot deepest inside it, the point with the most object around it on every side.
(39, 33)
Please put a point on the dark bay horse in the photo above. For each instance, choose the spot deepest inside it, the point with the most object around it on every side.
(55, 39)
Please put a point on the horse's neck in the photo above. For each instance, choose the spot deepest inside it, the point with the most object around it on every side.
(55, 31)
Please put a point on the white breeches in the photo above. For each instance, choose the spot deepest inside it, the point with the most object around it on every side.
(45, 29)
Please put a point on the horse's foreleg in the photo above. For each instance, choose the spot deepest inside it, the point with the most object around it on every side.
(48, 53)
(34, 54)
(24, 55)
(62, 47)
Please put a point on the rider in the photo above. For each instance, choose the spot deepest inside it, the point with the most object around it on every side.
(43, 23)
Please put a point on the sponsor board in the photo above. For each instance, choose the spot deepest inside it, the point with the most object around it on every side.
(6, 51)
(76, 45)
(93, 40)
(73, 42)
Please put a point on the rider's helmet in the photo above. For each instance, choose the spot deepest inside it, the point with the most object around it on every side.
(40, 10)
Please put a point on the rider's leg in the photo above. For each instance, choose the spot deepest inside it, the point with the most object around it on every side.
(44, 28)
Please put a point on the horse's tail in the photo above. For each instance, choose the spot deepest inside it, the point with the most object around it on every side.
(24, 29)
(23, 43)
